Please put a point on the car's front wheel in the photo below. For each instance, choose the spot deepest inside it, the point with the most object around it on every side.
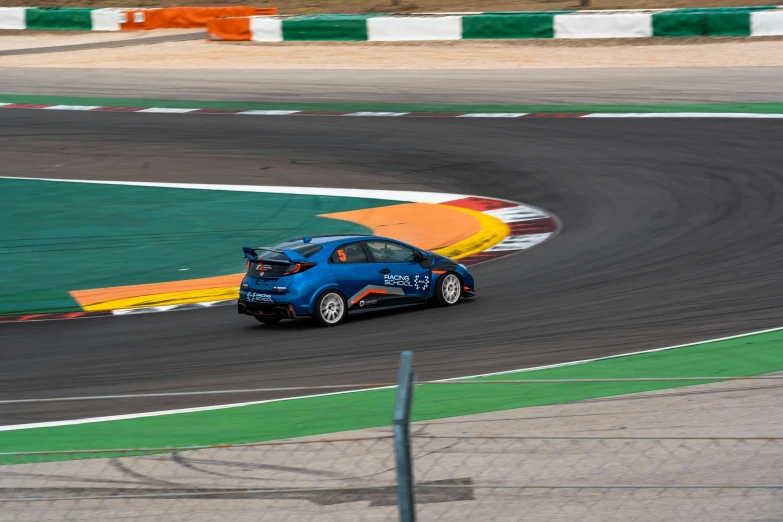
(448, 289)
(330, 308)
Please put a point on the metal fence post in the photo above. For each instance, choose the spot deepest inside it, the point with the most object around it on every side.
(402, 441)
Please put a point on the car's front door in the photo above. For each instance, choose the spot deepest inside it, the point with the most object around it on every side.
(358, 276)
(399, 269)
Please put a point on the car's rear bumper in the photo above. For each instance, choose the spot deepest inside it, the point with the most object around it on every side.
(282, 310)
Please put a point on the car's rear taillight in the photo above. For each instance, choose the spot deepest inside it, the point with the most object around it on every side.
(295, 268)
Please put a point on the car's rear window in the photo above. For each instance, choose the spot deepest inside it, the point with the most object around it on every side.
(304, 249)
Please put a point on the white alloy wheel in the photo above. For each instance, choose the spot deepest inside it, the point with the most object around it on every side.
(332, 308)
(451, 289)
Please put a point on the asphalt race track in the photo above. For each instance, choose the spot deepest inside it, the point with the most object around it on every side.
(520, 86)
(671, 234)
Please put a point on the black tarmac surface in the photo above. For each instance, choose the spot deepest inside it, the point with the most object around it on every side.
(672, 233)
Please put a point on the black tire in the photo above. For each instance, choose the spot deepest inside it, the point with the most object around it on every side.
(446, 293)
(330, 308)
(267, 319)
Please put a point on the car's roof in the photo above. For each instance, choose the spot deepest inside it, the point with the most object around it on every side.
(327, 239)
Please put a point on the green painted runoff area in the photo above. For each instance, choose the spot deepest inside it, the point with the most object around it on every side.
(59, 236)
(760, 107)
(749, 355)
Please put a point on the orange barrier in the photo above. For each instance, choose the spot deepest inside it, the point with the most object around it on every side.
(185, 17)
(133, 19)
(229, 29)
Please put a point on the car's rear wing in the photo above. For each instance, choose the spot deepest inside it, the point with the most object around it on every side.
(257, 254)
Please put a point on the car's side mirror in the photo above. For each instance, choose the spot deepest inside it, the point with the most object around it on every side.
(420, 256)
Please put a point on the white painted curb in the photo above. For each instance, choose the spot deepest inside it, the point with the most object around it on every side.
(12, 18)
(766, 23)
(266, 30)
(105, 20)
(626, 25)
(383, 29)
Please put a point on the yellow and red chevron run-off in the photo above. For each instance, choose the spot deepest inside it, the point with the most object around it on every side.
(470, 229)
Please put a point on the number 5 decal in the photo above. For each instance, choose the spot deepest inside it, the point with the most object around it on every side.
(341, 255)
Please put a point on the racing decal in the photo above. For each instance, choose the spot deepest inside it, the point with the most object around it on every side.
(396, 280)
(421, 282)
(258, 298)
(374, 289)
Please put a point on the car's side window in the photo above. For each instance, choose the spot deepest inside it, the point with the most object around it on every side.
(349, 253)
(388, 252)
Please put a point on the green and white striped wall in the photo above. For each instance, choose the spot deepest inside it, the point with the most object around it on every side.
(744, 21)
(57, 19)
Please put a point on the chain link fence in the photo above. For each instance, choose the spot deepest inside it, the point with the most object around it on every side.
(458, 477)
(601, 478)
(460, 472)
(336, 479)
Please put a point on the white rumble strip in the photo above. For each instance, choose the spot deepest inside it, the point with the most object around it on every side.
(371, 114)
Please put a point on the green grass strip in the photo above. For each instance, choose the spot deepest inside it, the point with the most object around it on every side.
(750, 355)
(762, 107)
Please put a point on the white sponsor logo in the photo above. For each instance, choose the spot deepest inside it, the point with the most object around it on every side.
(396, 280)
(421, 282)
(255, 296)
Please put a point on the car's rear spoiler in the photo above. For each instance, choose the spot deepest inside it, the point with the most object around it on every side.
(292, 255)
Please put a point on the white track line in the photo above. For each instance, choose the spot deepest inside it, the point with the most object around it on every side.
(236, 405)
(71, 107)
(163, 110)
(390, 195)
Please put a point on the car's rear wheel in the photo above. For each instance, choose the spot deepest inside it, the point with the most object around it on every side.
(267, 319)
(448, 289)
(330, 308)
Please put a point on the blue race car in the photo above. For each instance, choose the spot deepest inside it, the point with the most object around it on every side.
(329, 277)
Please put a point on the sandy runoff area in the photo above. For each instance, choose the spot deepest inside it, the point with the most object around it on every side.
(498, 54)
